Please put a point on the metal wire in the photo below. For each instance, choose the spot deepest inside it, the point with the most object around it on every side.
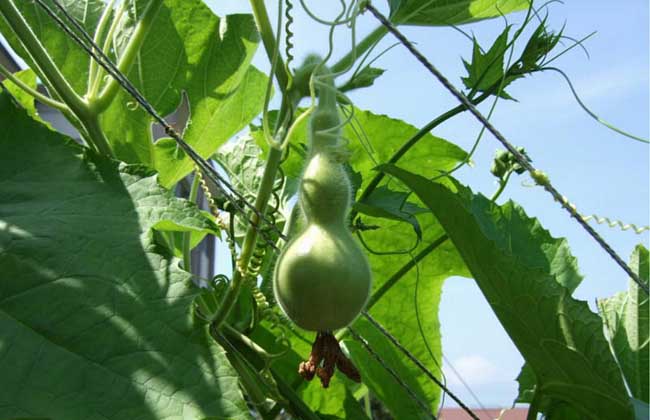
(535, 173)
(419, 364)
(208, 171)
(390, 370)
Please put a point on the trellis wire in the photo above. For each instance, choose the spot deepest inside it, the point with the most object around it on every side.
(520, 158)
(104, 61)
(419, 364)
(390, 370)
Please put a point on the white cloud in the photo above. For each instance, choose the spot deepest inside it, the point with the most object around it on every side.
(475, 370)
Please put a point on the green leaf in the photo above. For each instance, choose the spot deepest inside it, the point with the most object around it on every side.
(372, 140)
(450, 12)
(94, 316)
(64, 51)
(527, 277)
(486, 69)
(626, 320)
(365, 78)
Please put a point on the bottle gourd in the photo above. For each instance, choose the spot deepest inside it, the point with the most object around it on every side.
(322, 278)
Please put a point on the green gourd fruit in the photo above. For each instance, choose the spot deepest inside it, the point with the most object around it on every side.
(322, 278)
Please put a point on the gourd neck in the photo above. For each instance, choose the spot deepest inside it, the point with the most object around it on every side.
(325, 124)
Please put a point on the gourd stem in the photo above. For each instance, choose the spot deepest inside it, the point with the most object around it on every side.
(263, 194)
(327, 91)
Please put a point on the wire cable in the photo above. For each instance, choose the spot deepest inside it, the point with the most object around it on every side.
(419, 364)
(392, 372)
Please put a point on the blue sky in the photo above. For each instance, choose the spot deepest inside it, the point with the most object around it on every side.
(600, 171)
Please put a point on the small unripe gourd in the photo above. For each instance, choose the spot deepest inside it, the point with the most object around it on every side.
(322, 278)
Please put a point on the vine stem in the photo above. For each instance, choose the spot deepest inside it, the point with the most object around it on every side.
(99, 32)
(268, 39)
(263, 194)
(93, 89)
(79, 107)
(39, 55)
(128, 57)
(502, 186)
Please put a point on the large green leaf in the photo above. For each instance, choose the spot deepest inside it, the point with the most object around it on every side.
(94, 316)
(450, 12)
(188, 49)
(626, 317)
(526, 277)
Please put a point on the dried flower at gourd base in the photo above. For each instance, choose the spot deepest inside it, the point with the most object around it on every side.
(326, 355)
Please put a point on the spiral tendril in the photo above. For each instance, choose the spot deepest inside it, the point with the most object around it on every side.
(603, 220)
(542, 179)
(289, 45)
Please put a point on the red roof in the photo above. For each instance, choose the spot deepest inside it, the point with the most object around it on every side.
(517, 413)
